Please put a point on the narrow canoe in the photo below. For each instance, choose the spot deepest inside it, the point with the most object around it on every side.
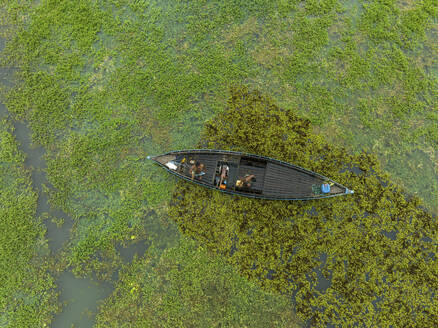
(262, 177)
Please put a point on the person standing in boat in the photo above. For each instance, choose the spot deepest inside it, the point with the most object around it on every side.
(224, 174)
(197, 171)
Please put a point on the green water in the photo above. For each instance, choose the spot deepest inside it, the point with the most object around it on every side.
(80, 296)
(169, 75)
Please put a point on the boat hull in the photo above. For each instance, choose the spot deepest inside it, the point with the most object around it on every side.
(249, 175)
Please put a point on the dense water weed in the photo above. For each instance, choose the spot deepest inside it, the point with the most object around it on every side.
(375, 280)
(28, 297)
(186, 286)
(105, 83)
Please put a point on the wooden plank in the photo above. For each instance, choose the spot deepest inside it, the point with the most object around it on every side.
(282, 180)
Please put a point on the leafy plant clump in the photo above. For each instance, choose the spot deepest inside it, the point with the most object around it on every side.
(375, 281)
(187, 287)
(104, 83)
(120, 79)
(27, 291)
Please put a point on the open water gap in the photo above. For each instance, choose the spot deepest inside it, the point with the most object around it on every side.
(80, 296)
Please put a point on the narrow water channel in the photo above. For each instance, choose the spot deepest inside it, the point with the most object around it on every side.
(80, 296)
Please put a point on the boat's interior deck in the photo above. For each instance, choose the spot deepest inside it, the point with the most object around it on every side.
(210, 163)
(258, 168)
(282, 180)
(272, 179)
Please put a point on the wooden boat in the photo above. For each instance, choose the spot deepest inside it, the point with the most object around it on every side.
(249, 175)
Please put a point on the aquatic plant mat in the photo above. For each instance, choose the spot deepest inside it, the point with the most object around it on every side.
(103, 84)
(375, 280)
(28, 296)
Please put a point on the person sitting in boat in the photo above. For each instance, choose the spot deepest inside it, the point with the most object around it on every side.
(245, 182)
(197, 171)
(325, 188)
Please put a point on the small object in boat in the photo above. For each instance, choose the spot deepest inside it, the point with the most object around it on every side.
(171, 165)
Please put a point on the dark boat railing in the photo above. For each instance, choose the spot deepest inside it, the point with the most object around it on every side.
(299, 168)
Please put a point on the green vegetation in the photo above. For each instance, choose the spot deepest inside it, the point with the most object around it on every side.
(289, 238)
(27, 291)
(105, 83)
(187, 287)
